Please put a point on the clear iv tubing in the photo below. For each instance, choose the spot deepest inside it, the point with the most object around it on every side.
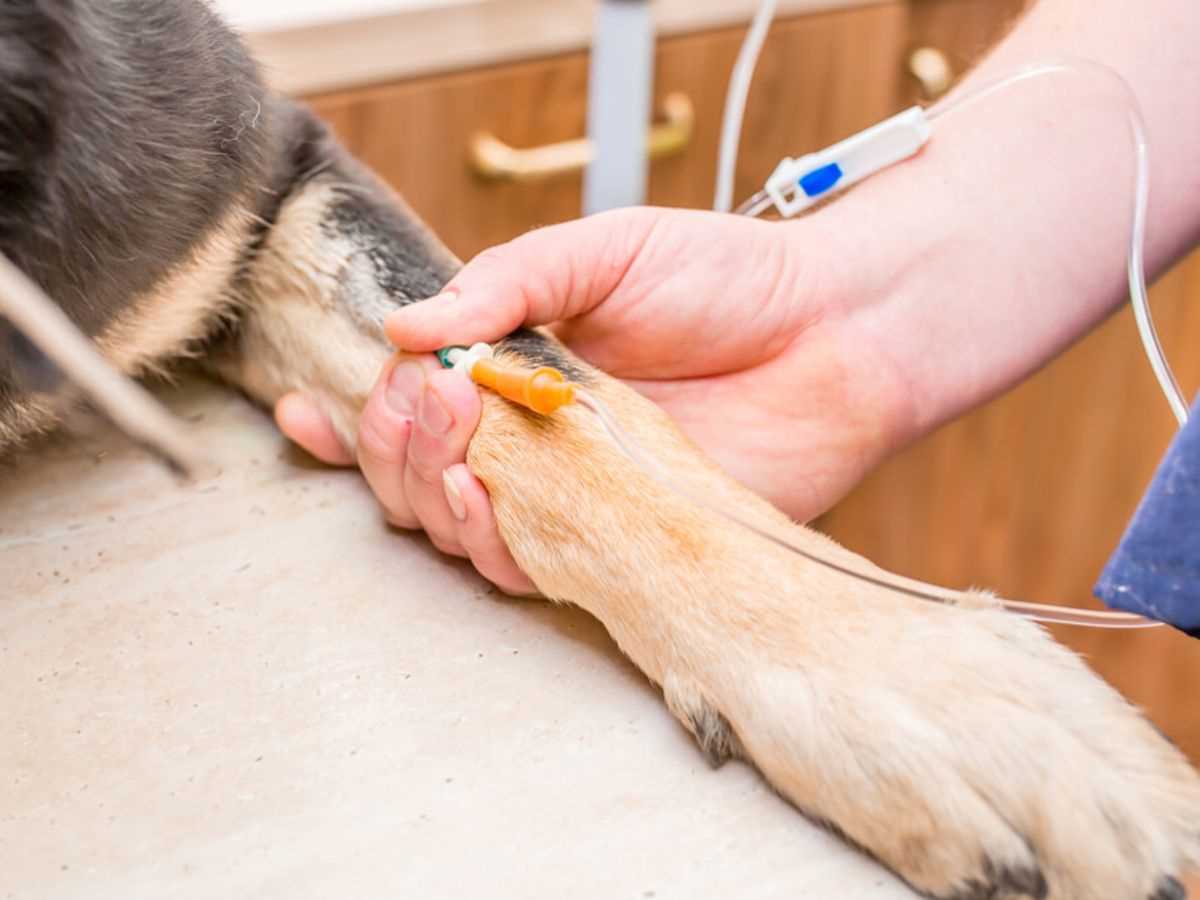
(1062, 615)
(735, 104)
(1138, 297)
(760, 202)
(1137, 287)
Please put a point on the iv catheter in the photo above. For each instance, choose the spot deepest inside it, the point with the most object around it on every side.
(796, 185)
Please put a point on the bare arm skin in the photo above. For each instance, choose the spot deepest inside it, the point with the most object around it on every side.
(1005, 240)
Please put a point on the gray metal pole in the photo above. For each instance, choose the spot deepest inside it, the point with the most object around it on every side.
(620, 87)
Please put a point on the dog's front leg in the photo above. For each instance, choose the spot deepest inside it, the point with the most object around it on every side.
(959, 745)
(340, 253)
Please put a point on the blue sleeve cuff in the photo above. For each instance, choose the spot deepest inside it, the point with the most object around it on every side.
(1156, 568)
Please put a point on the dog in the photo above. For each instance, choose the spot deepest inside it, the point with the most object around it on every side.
(174, 207)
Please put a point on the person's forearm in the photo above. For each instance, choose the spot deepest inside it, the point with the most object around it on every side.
(1005, 240)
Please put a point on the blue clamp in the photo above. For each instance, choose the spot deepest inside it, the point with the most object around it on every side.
(821, 180)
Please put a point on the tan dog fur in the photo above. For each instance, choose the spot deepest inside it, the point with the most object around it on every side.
(960, 745)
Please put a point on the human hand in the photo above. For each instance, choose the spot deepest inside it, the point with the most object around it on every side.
(740, 329)
(411, 447)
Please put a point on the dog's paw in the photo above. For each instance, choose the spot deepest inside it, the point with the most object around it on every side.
(963, 748)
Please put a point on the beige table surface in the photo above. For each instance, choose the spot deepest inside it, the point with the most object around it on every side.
(250, 688)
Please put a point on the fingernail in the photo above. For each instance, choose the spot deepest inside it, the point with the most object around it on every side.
(404, 387)
(454, 497)
(433, 415)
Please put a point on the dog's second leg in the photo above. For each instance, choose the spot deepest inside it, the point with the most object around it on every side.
(959, 745)
(342, 252)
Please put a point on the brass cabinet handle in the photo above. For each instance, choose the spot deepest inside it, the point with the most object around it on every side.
(932, 70)
(493, 159)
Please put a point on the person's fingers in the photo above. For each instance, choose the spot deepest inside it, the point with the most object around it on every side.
(458, 513)
(477, 532)
(540, 277)
(384, 430)
(446, 416)
(301, 420)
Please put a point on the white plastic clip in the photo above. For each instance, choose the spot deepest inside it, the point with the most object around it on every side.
(797, 184)
(463, 360)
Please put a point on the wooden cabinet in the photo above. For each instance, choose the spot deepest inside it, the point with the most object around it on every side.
(1027, 495)
(962, 30)
(821, 78)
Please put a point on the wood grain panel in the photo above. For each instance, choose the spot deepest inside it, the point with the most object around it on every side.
(962, 29)
(416, 134)
(821, 77)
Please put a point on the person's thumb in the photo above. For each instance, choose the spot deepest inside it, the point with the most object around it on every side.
(553, 273)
